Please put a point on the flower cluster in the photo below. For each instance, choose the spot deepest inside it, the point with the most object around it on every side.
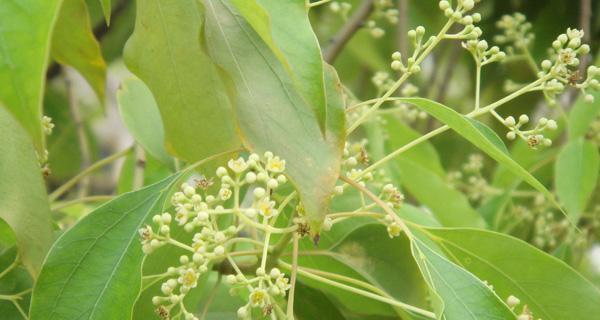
(459, 13)
(197, 213)
(482, 53)
(471, 181)
(47, 125)
(515, 32)
(383, 9)
(534, 137)
(340, 7)
(562, 68)
(263, 290)
(355, 159)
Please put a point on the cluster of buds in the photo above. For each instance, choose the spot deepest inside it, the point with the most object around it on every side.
(416, 38)
(382, 81)
(406, 112)
(197, 212)
(264, 290)
(460, 12)
(394, 199)
(533, 137)
(482, 53)
(548, 230)
(47, 125)
(515, 32)
(382, 10)
(459, 15)
(470, 179)
(355, 159)
(340, 7)
(562, 69)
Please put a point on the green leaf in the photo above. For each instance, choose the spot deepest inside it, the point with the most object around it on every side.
(490, 134)
(336, 109)
(465, 128)
(314, 304)
(293, 33)
(549, 287)
(142, 117)
(25, 30)
(101, 257)
(457, 294)
(165, 52)
(15, 281)
(258, 18)
(23, 199)
(74, 44)
(107, 10)
(271, 114)
(361, 249)
(419, 171)
(576, 175)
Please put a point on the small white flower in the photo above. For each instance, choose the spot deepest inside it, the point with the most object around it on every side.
(275, 164)
(188, 278)
(238, 166)
(266, 208)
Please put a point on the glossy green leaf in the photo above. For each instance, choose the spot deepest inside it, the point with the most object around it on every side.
(457, 294)
(260, 20)
(576, 175)
(165, 52)
(293, 33)
(101, 257)
(25, 30)
(465, 128)
(549, 287)
(142, 117)
(271, 114)
(74, 44)
(23, 199)
(419, 171)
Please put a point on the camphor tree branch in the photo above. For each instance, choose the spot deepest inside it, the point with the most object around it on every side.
(339, 41)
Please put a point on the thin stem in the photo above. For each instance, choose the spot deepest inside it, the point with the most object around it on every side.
(263, 261)
(13, 265)
(444, 128)
(73, 181)
(361, 292)
(316, 4)
(478, 86)
(355, 214)
(400, 81)
(339, 41)
(530, 61)
(380, 203)
(290, 305)
(211, 297)
(61, 205)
